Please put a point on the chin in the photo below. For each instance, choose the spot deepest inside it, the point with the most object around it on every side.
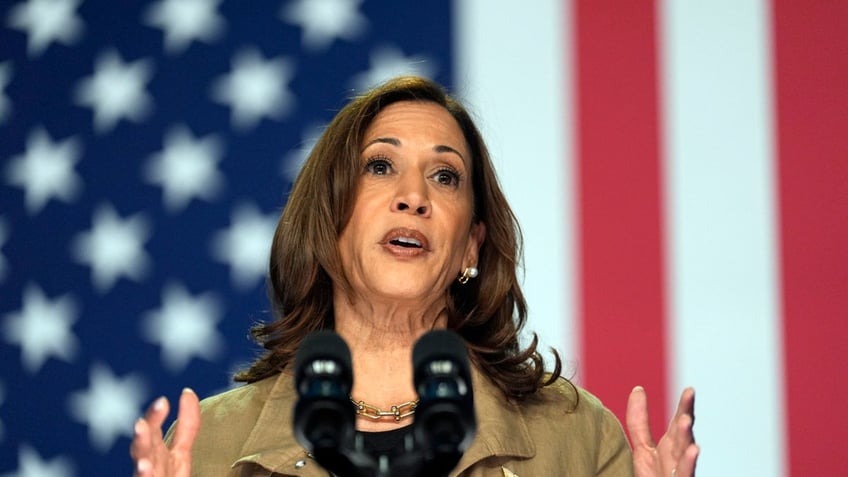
(404, 284)
(408, 292)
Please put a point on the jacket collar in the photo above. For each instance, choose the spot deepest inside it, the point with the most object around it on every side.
(271, 443)
(501, 430)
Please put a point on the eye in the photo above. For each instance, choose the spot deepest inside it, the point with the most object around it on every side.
(379, 166)
(448, 177)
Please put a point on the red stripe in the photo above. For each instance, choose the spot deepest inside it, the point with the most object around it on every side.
(621, 299)
(811, 61)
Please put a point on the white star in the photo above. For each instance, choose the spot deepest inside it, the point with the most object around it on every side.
(324, 20)
(246, 245)
(30, 464)
(45, 170)
(5, 79)
(109, 407)
(115, 91)
(184, 327)
(42, 328)
(293, 161)
(184, 21)
(46, 21)
(4, 234)
(387, 62)
(186, 168)
(113, 247)
(255, 88)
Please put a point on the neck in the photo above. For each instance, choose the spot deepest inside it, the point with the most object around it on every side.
(381, 339)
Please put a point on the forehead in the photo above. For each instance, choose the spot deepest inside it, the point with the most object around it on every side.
(421, 121)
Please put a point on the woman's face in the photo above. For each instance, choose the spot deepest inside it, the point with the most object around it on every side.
(411, 229)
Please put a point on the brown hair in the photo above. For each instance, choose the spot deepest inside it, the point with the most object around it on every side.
(488, 312)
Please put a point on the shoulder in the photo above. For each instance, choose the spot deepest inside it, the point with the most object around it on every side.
(568, 404)
(566, 419)
(243, 402)
(565, 416)
(561, 429)
(226, 422)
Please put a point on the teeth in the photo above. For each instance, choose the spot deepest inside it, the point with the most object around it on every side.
(407, 242)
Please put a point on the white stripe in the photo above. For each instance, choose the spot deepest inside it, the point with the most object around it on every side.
(721, 216)
(511, 70)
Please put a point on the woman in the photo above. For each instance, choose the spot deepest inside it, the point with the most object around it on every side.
(397, 226)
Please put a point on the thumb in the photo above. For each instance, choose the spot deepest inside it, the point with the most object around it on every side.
(188, 422)
(637, 419)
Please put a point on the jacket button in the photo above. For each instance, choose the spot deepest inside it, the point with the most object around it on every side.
(300, 464)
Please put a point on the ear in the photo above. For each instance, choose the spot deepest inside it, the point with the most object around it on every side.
(476, 237)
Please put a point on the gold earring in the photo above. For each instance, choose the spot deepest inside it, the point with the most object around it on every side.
(467, 274)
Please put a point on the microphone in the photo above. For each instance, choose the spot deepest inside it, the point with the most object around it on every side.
(323, 415)
(445, 423)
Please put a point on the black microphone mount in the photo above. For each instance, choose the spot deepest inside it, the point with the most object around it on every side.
(324, 417)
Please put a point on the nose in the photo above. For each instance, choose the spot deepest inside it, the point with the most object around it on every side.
(411, 197)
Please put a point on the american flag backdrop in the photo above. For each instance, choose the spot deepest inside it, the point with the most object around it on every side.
(679, 169)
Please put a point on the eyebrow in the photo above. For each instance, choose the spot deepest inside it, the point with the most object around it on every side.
(396, 142)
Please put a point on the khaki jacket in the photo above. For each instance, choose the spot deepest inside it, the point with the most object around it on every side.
(247, 432)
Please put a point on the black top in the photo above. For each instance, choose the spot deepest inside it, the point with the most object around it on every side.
(386, 442)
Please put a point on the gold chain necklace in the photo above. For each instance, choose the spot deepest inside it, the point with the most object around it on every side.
(374, 413)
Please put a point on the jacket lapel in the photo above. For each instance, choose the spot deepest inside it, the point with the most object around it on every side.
(271, 443)
(501, 430)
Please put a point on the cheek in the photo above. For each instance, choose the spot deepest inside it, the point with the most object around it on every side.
(461, 238)
(350, 231)
(355, 233)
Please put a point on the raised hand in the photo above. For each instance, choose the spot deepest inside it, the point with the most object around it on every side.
(151, 456)
(676, 453)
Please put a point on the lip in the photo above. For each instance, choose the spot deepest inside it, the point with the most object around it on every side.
(409, 234)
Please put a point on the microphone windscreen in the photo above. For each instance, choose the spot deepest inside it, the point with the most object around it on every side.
(438, 345)
(323, 345)
(323, 419)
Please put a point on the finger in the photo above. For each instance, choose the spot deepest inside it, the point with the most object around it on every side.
(686, 404)
(188, 422)
(685, 407)
(140, 446)
(686, 464)
(682, 436)
(685, 436)
(147, 430)
(157, 412)
(143, 468)
(142, 449)
(155, 417)
(637, 418)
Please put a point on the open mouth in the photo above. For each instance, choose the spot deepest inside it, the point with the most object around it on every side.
(406, 242)
(406, 238)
